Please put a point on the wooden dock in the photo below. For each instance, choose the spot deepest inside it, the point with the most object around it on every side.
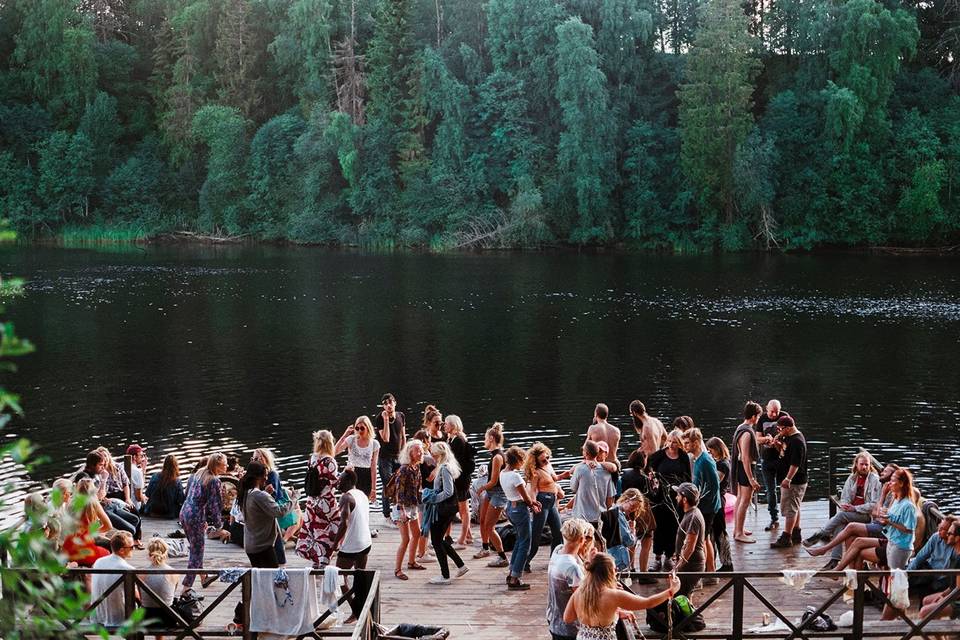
(479, 607)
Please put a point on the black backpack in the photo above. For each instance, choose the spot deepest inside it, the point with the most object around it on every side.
(312, 485)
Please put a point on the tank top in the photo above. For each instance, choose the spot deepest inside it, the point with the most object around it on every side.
(357, 537)
(496, 488)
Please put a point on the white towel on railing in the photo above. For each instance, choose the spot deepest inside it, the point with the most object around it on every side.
(330, 589)
(797, 578)
(284, 610)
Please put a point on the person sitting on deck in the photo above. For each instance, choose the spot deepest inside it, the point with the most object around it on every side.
(889, 541)
(163, 586)
(165, 494)
(931, 602)
(939, 553)
(857, 500)
(111, 612)
(564, 575)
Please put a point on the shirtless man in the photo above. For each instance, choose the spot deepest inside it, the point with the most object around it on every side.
(603, 431)
(653, 436)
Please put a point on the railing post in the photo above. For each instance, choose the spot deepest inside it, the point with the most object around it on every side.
(737, 624)
(830, 505)
(130, 598)
(246, 594)
(858, 601)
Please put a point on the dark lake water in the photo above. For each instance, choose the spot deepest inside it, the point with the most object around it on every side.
(195, 349)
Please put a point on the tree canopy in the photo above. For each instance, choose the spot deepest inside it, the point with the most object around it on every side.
(686, 125)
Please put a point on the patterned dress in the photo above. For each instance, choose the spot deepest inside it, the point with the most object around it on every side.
(203, 507)
(321, 517)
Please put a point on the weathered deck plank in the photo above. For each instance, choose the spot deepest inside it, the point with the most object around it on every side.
(478, 606)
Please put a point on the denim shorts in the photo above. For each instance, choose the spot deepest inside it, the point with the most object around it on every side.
(497, 499)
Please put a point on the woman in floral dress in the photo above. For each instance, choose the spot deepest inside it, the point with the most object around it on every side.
(321, 518)
(203, 508)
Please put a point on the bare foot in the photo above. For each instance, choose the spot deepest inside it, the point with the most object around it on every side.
(744, 539)
(815, 551)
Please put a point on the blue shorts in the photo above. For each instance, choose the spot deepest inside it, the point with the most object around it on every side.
(497, 499)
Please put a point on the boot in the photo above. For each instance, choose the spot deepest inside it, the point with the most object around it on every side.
(783, 542)
(795, 536)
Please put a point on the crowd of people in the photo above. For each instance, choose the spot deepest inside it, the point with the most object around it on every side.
(660, 508)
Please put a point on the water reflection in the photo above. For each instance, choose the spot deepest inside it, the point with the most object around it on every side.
(189, 349)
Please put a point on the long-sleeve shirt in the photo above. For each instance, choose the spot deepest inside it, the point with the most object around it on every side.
(443, 485)
(935, 554)
(204, 504)
(871, 492)
(260, 513)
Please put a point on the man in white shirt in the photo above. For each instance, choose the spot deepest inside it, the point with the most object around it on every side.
(138, 470)
(111, 611)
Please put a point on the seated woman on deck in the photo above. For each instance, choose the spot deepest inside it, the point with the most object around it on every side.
(165, 494)
(887, 542)
(80, 545)
(597, 603)
(932, 602)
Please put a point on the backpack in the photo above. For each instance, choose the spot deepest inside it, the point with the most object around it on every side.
(682, 609)
(390, 488)
(312, 485)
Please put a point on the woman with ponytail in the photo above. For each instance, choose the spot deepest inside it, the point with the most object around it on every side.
(163, 586)
(495, 501)
(596, 602)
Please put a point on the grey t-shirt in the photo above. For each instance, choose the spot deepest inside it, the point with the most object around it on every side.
(692, 522)
(592, 487)
(162, 585)
(563, 575)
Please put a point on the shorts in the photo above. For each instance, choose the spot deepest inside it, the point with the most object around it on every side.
(896, 557)
(497, 499)
(790, 499)
(356, 555)
(403, 513)
(462, 493)
(708, 519)
(875, 530)
(742, 478)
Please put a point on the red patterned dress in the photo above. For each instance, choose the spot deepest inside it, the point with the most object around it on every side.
(321, 517)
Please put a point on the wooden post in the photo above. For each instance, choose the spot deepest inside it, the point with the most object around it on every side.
(858, 602)
(246, 595)
(830, 504)
(736, 632)
(130, 598)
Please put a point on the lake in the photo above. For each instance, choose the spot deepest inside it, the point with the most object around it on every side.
(190, 349)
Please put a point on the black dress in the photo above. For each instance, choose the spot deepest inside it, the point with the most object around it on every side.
(465, 455)
(667, 514)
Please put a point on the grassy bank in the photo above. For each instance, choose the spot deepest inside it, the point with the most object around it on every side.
(103, 233)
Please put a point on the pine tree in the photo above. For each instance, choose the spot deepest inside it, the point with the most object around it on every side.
(584, 155)
(236, 58)
(715, 104)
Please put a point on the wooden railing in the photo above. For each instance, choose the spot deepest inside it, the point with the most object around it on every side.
(741, 583)
(130, 582)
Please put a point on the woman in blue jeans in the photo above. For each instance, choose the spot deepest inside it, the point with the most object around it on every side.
(543, 482)
(519, 505)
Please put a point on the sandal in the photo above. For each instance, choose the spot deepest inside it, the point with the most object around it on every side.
(208, 580)
(416, 566)
(400, 574)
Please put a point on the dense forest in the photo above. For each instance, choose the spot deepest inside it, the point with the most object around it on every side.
(685, 125)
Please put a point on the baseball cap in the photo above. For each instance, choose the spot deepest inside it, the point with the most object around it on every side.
(603, 446)
(689, 491)
(134, 450)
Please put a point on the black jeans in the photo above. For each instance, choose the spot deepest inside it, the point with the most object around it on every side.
(361, 581)
(442, 545)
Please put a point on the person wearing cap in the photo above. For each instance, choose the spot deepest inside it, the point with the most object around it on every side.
(691, 552)
(390, 426)
(138, 470)
(794, 483)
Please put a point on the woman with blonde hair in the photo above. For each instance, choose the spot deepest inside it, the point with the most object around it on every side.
(495, 501)
(406, 504)
(433, 424)
(115, 497)
(444, 497)
(203, 508)
(80, 545)
(596, 602)
(159, 588)
(466, 455)
(542, 481)
(321, 517)
(363, 450)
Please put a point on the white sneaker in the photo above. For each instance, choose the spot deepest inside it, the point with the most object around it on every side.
(439, 580)
(462, 571)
